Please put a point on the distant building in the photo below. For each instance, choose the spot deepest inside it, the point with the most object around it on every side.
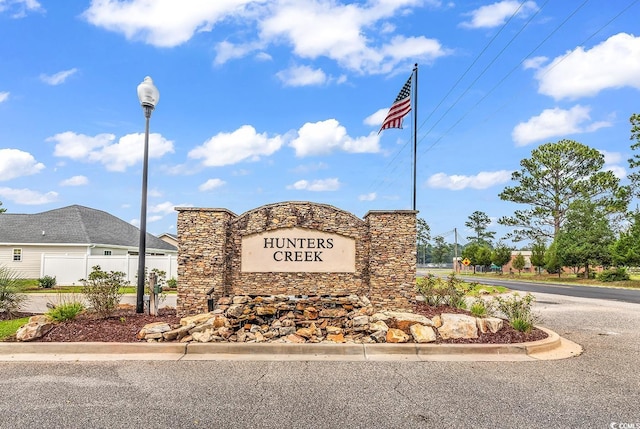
(72, 230)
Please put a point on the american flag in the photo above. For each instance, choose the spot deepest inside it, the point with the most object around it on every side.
(399, 108)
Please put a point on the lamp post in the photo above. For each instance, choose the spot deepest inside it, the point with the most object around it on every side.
(148, 95)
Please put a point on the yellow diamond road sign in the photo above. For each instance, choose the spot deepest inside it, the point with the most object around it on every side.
(466, 262)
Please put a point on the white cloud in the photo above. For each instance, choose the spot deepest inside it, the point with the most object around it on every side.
(165, 208)
(534, 63)
(612, 161)
(611, 157)
(375, 120)
(16, 163)
(211, 184)
(75, 181)
(154, 218)
(4, 96)
(164, 23)
(556, 122)
(320, 185)
(231, 148)
(302, 76)
(617, 170)
(368, 197)
(614, 63)
(57, 78)
(20, 7)
(128, 151)
(320, 28)
(496, 14)
(27, 196)
(323, 137)
(482, 180)
(154, 193)
(345, 33)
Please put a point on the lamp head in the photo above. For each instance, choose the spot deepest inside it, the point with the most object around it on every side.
(148, 94)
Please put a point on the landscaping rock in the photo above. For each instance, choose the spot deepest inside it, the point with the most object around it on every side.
(489, 324)
(458, 326)
(37, 327)
(396, 336)
(422, 334)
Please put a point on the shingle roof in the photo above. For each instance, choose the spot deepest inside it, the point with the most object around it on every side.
(73, 225)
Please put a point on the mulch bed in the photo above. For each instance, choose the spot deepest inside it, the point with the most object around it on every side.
(125, 323)
(507, 335)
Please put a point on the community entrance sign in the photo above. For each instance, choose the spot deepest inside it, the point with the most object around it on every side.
(295, 248)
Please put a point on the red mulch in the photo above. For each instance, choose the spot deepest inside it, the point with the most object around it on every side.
(507, 335)
(126, 323)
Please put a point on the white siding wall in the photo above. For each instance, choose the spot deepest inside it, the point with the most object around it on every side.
(69, 269)
(29, 267)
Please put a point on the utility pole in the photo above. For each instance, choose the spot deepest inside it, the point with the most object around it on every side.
(455, 250)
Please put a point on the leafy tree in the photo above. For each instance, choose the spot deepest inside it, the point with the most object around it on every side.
(625, 251)
(470, 252)
(519, 263)
(552, 262)
(553, 177)
(441, 251)
(1, 209)
(586, 237)
(483, 256)
(634, 162)
(479, 222)
(501, 255)
(537, 255)
(423, 236)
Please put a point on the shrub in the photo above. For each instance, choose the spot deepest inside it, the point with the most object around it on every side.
(613, 275)
(522, 325)
(66, 311)
(437, 291)
(11, 291)
(517, 311)
(172, 283)
(102, 290)
(47, 282)
(482, 308)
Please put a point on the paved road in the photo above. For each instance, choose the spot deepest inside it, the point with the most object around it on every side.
(612, 293)
(591, 391)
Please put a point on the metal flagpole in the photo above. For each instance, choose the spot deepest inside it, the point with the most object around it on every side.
(415, 131)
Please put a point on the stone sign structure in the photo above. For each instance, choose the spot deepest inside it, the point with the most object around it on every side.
(295, 248)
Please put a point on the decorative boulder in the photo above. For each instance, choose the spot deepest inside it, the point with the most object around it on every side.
(490, 324)
(37, 327)
(422, 334)
(458, 326)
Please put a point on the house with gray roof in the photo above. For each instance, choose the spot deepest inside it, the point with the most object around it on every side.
(73, 231)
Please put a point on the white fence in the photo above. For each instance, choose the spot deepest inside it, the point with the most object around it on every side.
(69, 269)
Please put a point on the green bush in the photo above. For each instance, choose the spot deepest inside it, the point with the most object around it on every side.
(613, 275)
(47, 282)
(517, 311)
(482, 308)
(172, 283)
(437, 291)
(11, 291)
(67, 311)
(102, 290)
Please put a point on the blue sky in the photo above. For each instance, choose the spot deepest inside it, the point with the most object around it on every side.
(276, 100)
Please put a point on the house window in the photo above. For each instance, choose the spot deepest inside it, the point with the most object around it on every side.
(107, 253)
(17, 255)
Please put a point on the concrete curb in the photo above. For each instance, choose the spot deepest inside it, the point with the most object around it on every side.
(551, 348)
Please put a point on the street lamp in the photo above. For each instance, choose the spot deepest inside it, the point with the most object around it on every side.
(148, 95)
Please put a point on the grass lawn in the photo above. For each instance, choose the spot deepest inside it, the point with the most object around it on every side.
(565, 278)
(10, 327)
